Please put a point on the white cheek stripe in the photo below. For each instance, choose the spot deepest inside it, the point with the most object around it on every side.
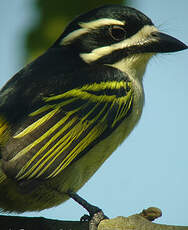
(140, 37)
(87, 26)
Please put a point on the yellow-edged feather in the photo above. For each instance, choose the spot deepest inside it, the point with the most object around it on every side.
(72, 133)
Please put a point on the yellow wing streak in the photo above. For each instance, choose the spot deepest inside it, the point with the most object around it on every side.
(95, 87)
(68, 157)
(98, 106)
(41, 110)
(92, 135)
(44, 147)
(36, 124)
(57, 154)
(126, 107)
(47, 107)
(38, 163)
(83, 127)
(41, 138)
(4, 130)
(73, 155)
(41, 150)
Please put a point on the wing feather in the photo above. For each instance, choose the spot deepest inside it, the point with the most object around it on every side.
(67, 125)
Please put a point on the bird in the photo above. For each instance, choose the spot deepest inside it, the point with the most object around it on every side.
(65, 113)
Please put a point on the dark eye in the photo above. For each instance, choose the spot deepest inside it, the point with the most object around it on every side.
(118, 33)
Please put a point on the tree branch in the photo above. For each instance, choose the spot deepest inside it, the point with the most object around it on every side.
(142, 221)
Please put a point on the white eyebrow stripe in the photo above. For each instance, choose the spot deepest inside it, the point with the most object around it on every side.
(139, 38)
(101, 22)
(87, 26)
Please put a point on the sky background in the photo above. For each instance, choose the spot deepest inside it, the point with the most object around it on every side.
(150, 167)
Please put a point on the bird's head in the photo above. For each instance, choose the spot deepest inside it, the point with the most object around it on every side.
(119, 36)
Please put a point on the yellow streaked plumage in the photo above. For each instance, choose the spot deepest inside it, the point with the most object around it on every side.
(36, 124)
(57, 145)
(4, 130)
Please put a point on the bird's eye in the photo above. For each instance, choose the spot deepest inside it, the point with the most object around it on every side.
(118, 33)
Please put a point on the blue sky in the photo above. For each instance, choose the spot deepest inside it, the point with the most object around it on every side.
(150, 167)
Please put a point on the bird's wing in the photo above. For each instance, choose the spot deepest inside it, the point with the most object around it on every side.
(67, 126)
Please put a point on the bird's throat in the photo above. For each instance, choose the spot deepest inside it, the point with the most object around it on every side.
(134, 66)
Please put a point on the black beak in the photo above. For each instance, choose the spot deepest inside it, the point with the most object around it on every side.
(163, 43)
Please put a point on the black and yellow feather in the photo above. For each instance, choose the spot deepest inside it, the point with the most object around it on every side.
(65, 127)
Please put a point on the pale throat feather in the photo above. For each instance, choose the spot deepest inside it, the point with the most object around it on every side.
(134, 66)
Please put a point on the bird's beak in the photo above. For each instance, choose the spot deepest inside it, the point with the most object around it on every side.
(163, 43)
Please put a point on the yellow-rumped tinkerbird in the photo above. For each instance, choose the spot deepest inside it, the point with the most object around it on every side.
(65, 113)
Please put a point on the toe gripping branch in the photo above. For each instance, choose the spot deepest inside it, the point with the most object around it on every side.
(96, 214)
(89, 207)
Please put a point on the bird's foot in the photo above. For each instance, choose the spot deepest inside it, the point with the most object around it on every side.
(96, 219)
(95, 216)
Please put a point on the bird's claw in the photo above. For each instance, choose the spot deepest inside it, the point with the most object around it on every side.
(85, 218)
(96, 219)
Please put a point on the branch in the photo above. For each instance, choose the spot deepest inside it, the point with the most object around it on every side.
(142, 221)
